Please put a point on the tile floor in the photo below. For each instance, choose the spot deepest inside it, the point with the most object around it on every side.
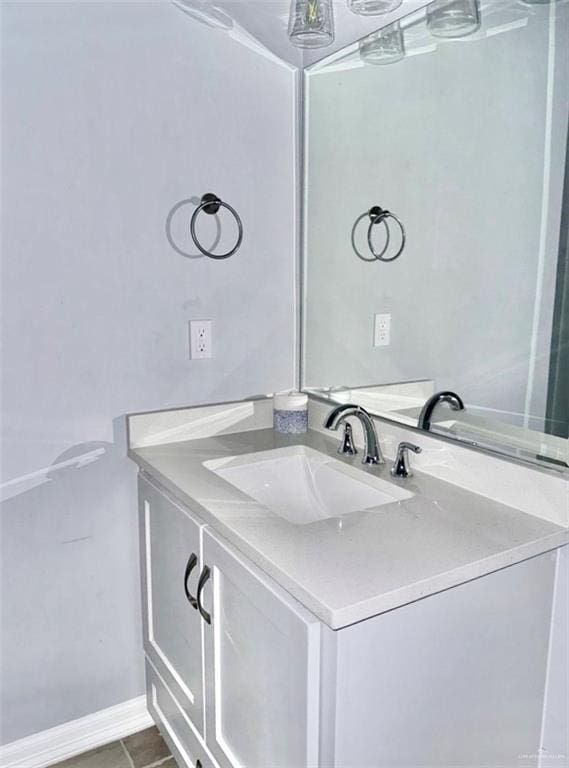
(145, 749)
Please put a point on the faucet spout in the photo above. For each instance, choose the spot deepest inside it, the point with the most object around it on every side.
(451, 398)
(372, 453)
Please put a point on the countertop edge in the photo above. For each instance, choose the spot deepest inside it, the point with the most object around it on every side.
(462, 575)
(341, 618)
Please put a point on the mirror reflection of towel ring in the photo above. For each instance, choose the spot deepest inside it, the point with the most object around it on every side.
(380, 214)
(376, 217)
(211, 204)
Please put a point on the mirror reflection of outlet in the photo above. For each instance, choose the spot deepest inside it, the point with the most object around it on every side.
(201, 339)
(382, 331)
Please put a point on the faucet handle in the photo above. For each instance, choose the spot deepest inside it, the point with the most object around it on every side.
(401, 466)
(347, 447)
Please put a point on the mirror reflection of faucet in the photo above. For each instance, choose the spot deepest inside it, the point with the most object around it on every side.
(446, 396)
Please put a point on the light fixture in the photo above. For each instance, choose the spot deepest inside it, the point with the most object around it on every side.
(383, 47)
(373, 7)
(311, 23)
(453, 18)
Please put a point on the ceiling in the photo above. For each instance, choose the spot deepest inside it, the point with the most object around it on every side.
(263, 23)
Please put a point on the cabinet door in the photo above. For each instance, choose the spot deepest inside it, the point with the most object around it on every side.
(178, 731)
(170, 554)
(262, 656)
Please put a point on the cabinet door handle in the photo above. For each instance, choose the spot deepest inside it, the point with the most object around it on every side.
(201, 584)
(192, 562)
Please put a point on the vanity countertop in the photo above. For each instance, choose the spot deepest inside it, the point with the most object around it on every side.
(349, 568)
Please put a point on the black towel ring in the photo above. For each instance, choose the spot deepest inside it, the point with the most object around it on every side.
(378, 214)
(211, 204)
(375, 217)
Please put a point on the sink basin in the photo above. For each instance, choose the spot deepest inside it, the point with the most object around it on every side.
(303, 485)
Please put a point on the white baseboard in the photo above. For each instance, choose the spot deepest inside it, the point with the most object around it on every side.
(77, 736)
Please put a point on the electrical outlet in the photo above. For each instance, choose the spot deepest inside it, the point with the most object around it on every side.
(201, 339)
(382, 331)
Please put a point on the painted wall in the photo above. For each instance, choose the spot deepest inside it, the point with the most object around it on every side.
(111, 114)
(455, 142)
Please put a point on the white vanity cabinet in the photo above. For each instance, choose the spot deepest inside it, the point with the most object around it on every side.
(455, 679)
(262, 662)
(171, 563)
(178, 729)
(241, 675)
(252, 648)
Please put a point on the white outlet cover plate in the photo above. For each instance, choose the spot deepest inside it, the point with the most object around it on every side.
(201, 339)
(382, 330)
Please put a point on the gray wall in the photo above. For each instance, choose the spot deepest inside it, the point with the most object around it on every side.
(452, 141)
(111, 113)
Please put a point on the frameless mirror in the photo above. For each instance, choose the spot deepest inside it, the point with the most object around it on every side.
(436, 212)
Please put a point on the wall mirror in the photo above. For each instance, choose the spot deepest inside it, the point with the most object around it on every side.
(457, 125)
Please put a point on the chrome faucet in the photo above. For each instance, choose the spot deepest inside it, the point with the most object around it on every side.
(401, 466)
(372, 454)
(451, 398)
(347, 446)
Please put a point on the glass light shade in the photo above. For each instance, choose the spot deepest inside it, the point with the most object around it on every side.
(373, 7)
(311, 23)
(453, 18)
(383, 47)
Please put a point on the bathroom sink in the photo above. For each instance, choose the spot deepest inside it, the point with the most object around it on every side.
(302, 485)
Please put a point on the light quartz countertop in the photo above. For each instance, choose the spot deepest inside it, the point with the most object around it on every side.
(346, 569)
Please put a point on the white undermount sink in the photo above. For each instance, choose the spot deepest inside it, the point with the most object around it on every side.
(303, 485)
